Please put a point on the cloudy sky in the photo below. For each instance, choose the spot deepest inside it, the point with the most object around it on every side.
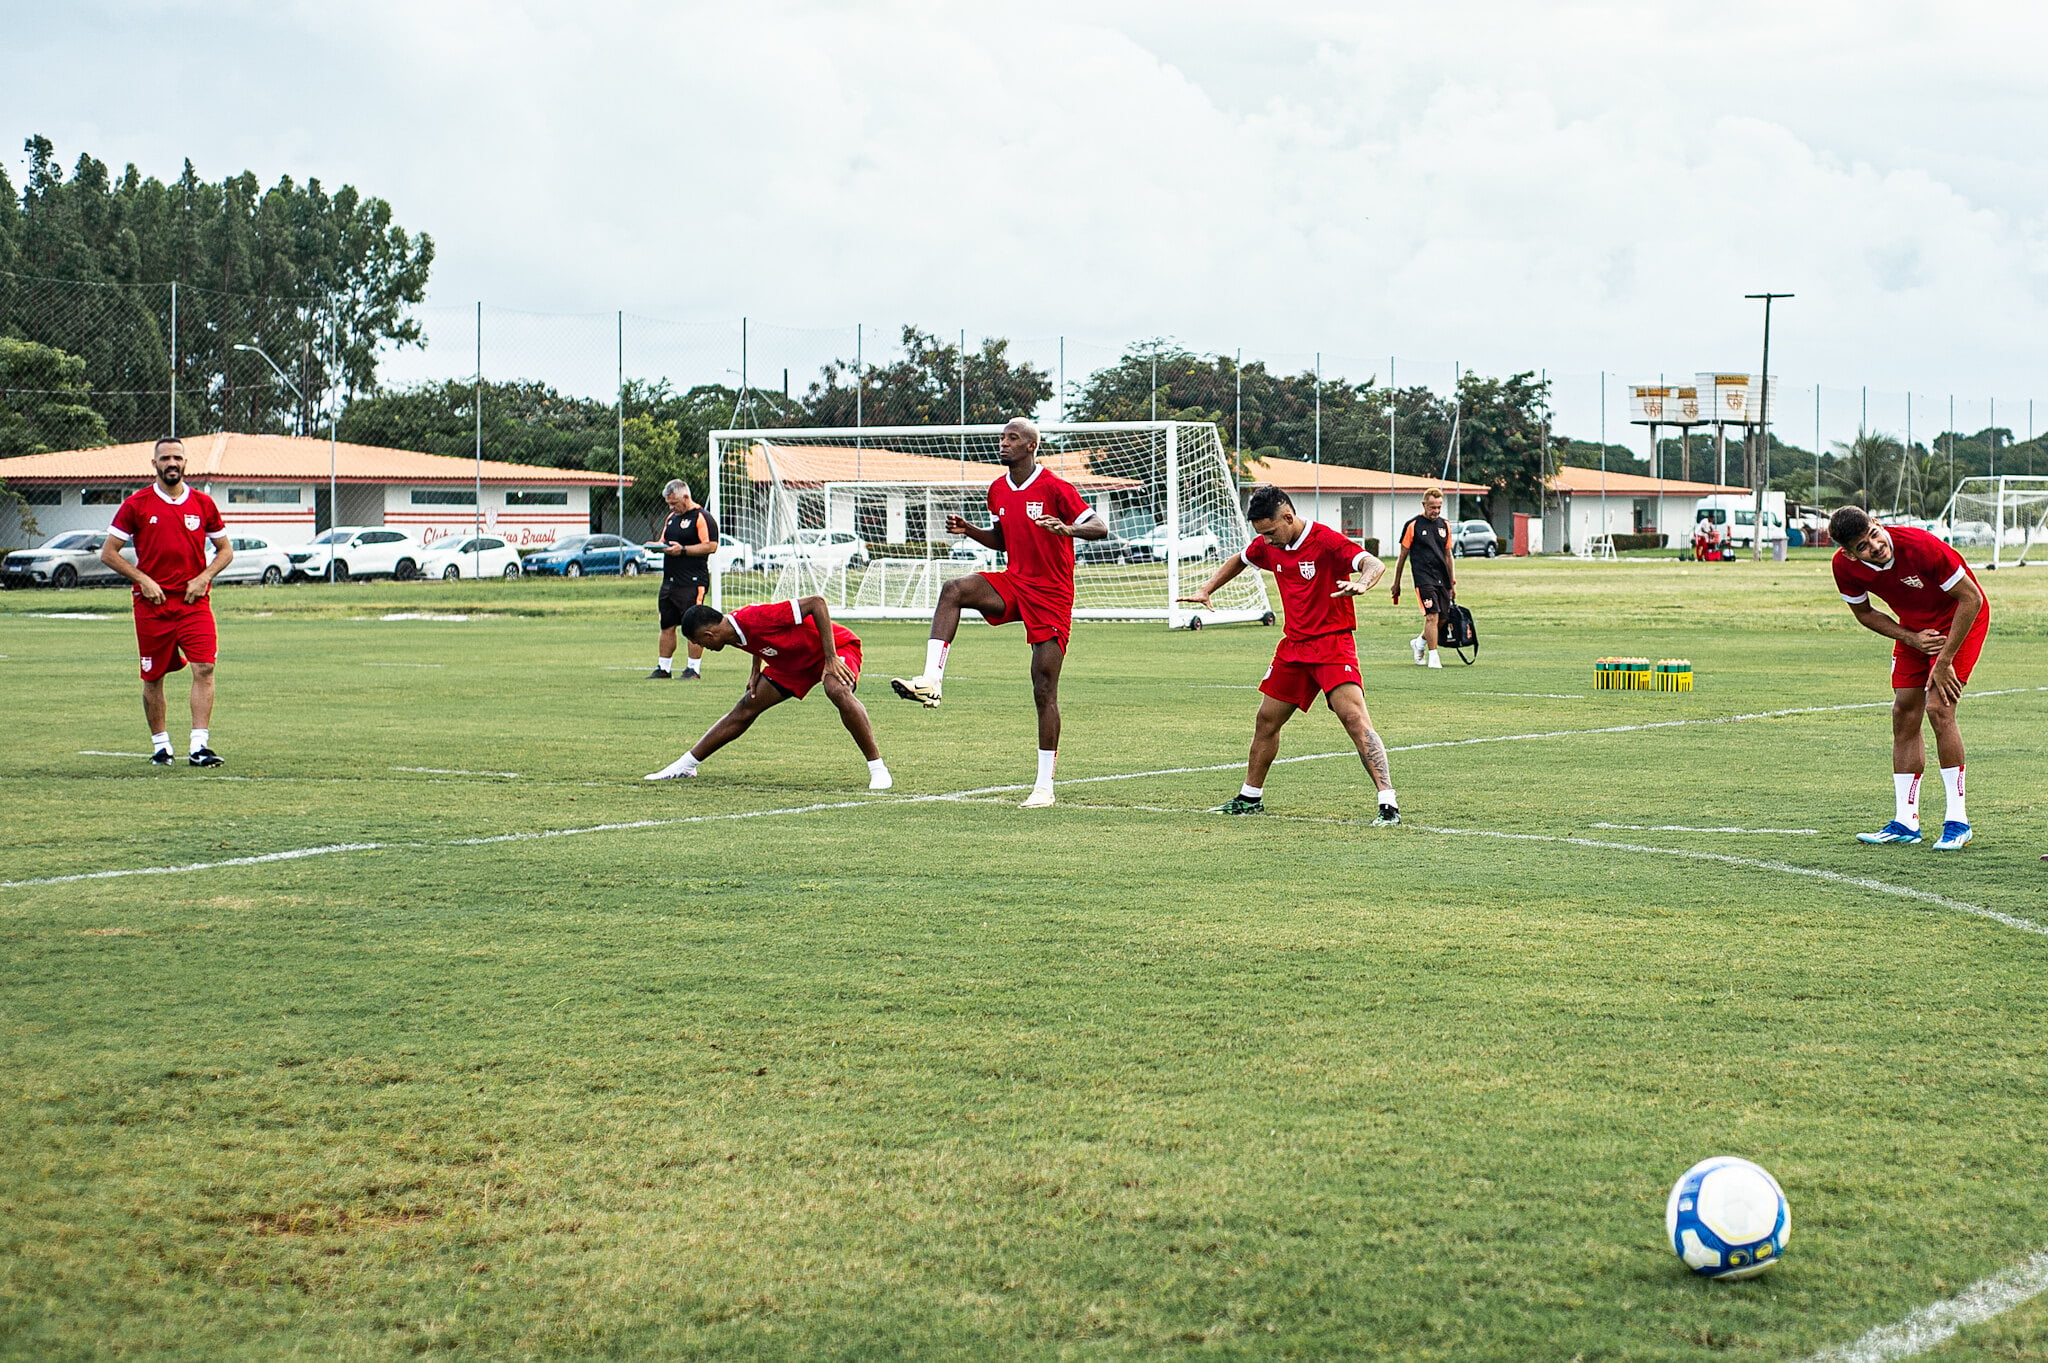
(1508, 185)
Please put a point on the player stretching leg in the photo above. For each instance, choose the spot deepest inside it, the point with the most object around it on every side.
(1317, 653)
(787, 641)
(1038, 516)
(1942, 619)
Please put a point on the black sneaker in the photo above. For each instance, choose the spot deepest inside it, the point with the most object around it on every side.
(162, 758)
(1241, 804)
(206, 757)
(661, 674)
(1389, 817)
(689, 674)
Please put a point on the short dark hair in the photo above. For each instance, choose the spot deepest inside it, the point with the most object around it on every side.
(700, 617)
(1265, 502)
(162, 441)
(1848, 525)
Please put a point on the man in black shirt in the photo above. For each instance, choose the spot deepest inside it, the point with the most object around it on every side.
(1426, 543)
(687, 542)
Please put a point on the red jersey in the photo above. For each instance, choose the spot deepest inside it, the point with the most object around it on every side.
(1040, 558)
(1915, 584)
(169, 536)
(1309, 570)
(781, 635)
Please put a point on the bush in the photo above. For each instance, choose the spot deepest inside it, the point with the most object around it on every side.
(1624, 543)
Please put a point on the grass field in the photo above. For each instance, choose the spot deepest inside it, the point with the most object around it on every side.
(761, 1066)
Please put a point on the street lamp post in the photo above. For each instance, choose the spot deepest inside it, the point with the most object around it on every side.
(332, 509)
(1758, 463)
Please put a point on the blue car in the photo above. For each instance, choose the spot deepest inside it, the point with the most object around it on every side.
(581, 554)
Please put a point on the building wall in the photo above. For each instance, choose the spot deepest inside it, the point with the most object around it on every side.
(525, 517)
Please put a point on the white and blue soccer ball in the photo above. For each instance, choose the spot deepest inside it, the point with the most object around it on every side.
(1727, 1218)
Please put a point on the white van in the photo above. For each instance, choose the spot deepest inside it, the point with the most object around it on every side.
(1734, 515)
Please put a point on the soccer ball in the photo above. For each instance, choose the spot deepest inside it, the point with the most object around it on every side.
(1727, 1218)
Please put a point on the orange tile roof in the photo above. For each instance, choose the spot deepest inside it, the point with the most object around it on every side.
(1299, 475)
(815, 465)
(1572, 478)
(281, 458)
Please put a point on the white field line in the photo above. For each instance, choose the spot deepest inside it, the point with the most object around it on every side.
(1529, 695)
(293, 855)
(402, 664)
(95, 752)
(454, 771)
(1933, 1324)
(1690, 828)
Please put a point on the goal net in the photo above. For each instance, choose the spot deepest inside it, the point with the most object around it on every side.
(858, 516)
(1999, 522)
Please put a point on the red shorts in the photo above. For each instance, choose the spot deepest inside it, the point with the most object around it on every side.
(797, 685)
(1045, 616)
(169, 634)
(1306, 668)
(1911, 667)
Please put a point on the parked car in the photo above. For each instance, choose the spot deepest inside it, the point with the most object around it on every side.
(1969, 534)
(582, 555)
(981, 556)
(1475, 537)
(454, 556)
(818, 548)
(255, 560)
(1111, 548)
(733, 556)
(1151, 546)
(66, 560)
(358, 551)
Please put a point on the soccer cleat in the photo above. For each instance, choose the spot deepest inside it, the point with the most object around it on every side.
(678, 768)
(690, 674)
(162, 758)
(881, 781)
(661, 674)
(207, 757)
(1241, 804)
(924, 692)
(1389, 816)
(1891, 832)
(1953, 835)
(1040, 798)
(1415, 647)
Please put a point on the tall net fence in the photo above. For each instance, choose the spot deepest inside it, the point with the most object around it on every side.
(859, 517)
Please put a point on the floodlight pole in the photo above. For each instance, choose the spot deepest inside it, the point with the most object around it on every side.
(174, 359)
(1763, 422)
(622, 423)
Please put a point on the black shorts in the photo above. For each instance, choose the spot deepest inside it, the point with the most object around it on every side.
(677, 597)
(1432, 594)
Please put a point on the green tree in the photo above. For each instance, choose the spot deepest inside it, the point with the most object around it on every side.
(45, 401)
(923, 387)
(1500, 441)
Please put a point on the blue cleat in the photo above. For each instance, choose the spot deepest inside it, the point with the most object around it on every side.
(1953, 836)
(1898, 832)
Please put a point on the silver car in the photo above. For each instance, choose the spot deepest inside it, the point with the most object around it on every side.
(67, 560)
(1474, 537)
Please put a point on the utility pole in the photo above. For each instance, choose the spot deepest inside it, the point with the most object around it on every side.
(1759, 463)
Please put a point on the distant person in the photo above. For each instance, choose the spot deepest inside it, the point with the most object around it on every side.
(688, 540)
(1704, 537)
(788, 640)
(1317, 654)
(1426, 543)
(1943, 617)
(169, 522)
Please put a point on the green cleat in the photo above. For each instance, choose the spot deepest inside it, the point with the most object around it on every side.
(1240, 804)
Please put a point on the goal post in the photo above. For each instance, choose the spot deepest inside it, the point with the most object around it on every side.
(2002, 519)
(858, 516)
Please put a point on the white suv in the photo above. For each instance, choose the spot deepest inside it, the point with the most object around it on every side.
(359, 551)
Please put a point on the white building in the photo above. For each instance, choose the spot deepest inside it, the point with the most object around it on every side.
(1583, 503)
(276, 487)
(1362, 503)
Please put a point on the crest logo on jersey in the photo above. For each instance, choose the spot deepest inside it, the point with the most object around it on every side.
(1034, 509)
(1307, 568)
(1913, 581)
(191, 522)
(770, 652)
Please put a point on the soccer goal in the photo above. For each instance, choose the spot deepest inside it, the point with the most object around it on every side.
(2004, 516)
(858, 516)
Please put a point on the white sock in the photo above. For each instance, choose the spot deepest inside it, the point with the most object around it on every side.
(664, 664)
(689, 762)
(199, 737)
(1906, 798)
(158, 742)
(1250, 791)
(935, 651)
(1433, 658)
(693, 666)
(1046, 757)
(1952, 787)
(878, 768)
(1387, 798)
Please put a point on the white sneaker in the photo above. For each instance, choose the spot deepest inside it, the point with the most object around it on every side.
(920, 689)
(881, 780)
(672, 771)
(1415, 647)
(1040, 798)
(1434, 661)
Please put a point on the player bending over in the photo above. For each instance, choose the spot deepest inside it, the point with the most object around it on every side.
(1038, 515)
(1316, 653)
(1943, 617)
(787, 639)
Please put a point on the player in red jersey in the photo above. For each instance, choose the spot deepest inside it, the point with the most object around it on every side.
(169, 523)
(787, 639)
(1038, 515)
(1942, 619)
(1316, 656)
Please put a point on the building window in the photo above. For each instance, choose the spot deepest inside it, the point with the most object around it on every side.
(542, 497)
(1351, 510)
(42, 496)
(444, 496)
(268, 496)
(103, 496)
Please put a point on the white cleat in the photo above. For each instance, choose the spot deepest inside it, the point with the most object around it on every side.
(673, 771)
(925, 692)
(881, 780)
(1041, 797)
(1415, 647)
